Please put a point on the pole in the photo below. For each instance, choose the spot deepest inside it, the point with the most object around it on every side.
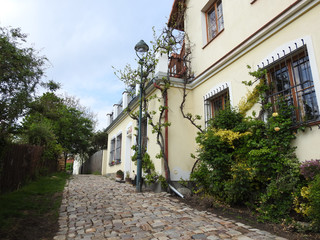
(139, 160)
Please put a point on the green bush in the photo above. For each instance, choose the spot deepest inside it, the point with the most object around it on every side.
(276, 202)
(314, 199)
(248, 161)
(240, 187)
(227, 119)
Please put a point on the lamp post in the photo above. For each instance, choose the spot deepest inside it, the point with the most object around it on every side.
(141, 49)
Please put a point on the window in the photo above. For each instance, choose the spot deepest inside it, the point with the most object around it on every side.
(115, 150)
(214, 19)
(118, 149)
(112, 151)
(216, 103)
(292, 81)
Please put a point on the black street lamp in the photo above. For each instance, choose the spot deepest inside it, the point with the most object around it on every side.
(141, 49)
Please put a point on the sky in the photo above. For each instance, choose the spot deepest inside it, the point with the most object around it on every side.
(83, 40)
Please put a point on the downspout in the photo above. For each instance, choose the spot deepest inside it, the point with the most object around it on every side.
(166, 139)
(176, 191)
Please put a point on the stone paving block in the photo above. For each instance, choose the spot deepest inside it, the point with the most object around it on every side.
(60, 237)
(233, 233)
(163, 238)
(213, 237)
(90, 230)
(199, 236)
(244, 238)
(72, 235)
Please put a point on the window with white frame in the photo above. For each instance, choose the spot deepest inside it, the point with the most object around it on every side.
(118, 149)
(214, 20)
(213, 103)
(115, 150)
(112, 151)
(291, 80)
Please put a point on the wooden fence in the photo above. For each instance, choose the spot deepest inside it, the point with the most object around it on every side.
(20, 163)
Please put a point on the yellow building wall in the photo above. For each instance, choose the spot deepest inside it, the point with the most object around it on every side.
(153, 149)
(181, 136)
(300, 26)
(237, 28)
(241, 20)
(120, 127)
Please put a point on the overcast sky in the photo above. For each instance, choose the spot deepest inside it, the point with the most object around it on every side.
(83, 39)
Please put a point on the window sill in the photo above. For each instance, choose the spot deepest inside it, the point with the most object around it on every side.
(212, 39)
(308, 124)
(114, 163)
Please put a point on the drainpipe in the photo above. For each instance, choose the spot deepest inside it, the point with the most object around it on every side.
(176, 191)
(166, 139)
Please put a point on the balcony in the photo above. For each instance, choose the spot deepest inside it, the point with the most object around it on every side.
(177, 67)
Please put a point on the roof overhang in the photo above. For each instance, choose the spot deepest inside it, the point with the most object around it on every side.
(176, 18)
(135, 101)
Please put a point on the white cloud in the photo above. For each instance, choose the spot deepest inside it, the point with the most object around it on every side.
(84, 39)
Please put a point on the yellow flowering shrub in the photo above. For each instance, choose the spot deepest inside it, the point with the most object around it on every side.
(303, 207)
(246, 103)
(230, 136)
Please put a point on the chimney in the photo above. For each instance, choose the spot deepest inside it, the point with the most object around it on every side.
(125, 100)
(162, 66)
(109, 119)
(115, 110)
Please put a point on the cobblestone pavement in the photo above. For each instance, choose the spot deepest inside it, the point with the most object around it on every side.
(94, 207)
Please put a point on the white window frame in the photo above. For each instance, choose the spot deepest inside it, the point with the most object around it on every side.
(286, 49)
(213, 93)
(112, 150)
(118, 148)
(204, 25)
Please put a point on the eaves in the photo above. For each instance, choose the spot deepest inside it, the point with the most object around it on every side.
(135, 102)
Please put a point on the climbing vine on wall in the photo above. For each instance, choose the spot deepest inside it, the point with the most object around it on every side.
(248, 161)
(167, 42)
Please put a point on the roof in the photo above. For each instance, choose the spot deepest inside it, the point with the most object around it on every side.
(134, 102)
(176, 18)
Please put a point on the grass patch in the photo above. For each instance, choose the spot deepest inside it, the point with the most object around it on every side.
(69, 167)
(37, 203)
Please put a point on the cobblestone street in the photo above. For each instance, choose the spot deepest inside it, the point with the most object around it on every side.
(94, 207)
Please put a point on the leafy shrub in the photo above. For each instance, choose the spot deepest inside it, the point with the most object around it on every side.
(120, 173)
(307, 202)
(315, 201)
(202, 177)
(309, 169)
(252, 161)
(276, 202)
(240, 187)
(249, 161)
(227, 119)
